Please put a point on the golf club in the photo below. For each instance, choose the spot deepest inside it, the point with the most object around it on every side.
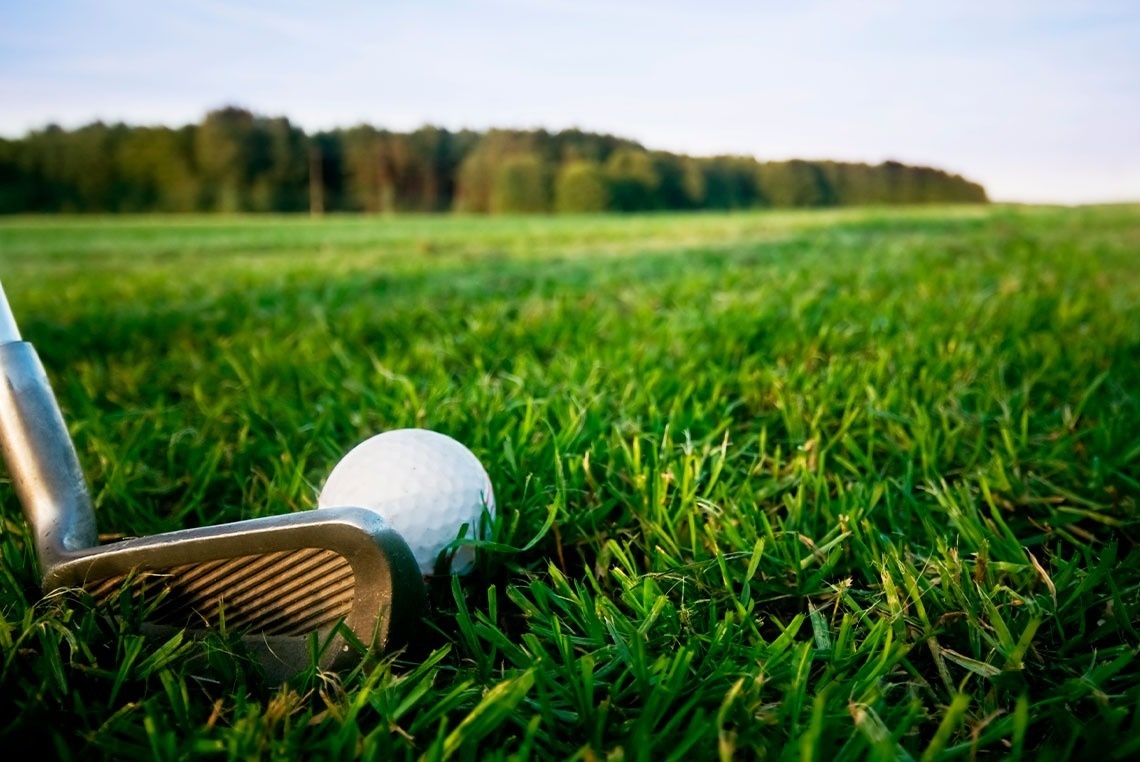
(278, 580)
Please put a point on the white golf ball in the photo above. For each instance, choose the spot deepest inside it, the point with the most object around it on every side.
(426, 485)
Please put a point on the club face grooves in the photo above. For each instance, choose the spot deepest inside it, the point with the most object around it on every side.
(292, 592)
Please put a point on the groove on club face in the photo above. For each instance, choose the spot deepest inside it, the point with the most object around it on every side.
(285, 593)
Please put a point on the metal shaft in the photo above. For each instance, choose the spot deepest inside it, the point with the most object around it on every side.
(9, 331)
(37, 448)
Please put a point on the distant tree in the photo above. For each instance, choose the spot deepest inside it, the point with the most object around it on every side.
(478, 173)
(223, 153)
(460, 146)
(634, 181)
(71, 171)
(896, 182)
(360, 161)
(581, 186)
(731, 182)
(251, 163)
(279, 173)
(94, 174)
(571, 145)
(680, 184)
(795, 183)
(397, 182)
(436, 155)
(693, 183)
(15, 185)
(475, 182)
(39, 187)
(155, 165)
(852, 183)
(416, 171)
(522, 184)
(966, 191)
(330, 145)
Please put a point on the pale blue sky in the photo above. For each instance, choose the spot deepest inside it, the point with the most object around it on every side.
(1039, 100)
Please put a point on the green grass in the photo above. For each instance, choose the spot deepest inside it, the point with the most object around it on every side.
(819, 485)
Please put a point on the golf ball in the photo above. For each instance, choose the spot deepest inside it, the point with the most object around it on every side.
(426, 485)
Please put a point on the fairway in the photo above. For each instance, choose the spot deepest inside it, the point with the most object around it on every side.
(834, 485)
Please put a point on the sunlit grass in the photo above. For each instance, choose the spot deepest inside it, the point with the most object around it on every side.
(830, 485)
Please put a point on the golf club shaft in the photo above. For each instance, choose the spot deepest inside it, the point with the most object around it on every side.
(38, 451)
(9, 331)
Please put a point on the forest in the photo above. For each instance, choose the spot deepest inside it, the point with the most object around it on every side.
(237, 161)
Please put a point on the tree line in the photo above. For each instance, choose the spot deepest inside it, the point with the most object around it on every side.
(238, 161)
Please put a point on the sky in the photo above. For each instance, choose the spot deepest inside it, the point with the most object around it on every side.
(1039, 100)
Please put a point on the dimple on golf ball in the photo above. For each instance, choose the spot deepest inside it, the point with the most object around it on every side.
(424, 484)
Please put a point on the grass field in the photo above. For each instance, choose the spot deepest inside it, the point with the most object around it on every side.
(820, 485)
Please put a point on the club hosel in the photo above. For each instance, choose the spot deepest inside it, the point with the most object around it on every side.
(41, 458)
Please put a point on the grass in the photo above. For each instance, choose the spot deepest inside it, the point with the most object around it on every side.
(816, 485)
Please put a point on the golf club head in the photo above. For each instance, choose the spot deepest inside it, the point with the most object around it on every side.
(278, 580)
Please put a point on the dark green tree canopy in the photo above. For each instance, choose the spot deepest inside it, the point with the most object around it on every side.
(238, 161)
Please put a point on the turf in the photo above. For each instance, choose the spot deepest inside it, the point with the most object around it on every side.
(818, 485)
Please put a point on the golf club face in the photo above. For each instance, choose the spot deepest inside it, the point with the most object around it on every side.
(279, 580)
